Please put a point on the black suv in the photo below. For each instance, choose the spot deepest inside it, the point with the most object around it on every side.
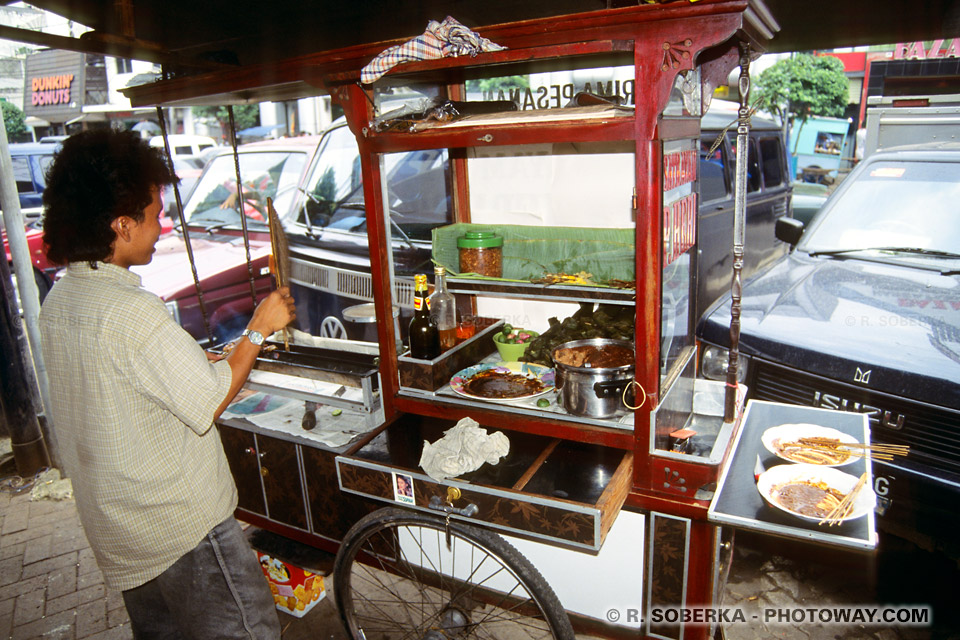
(864, 315)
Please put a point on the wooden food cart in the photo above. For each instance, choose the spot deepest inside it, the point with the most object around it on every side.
(613, 514)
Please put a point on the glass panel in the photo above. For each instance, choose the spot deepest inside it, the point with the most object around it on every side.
(770, 153)
(713, 174)
(557, 89)
(680, 163)
(267, 174)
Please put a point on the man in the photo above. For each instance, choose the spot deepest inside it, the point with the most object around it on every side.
(134, 399)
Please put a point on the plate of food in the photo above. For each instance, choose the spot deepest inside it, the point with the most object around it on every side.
(503, 381)
(810, 492)
(810, 444)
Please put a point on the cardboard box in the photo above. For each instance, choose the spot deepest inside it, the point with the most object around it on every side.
(295, 590)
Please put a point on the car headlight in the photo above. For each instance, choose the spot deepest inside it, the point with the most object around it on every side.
(173, 308)
(714, 362)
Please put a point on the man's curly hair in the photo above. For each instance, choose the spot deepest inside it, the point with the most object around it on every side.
(96, 177)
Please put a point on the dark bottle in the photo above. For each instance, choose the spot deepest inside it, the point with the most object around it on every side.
(424, 336)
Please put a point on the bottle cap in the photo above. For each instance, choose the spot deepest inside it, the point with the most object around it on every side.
(479, 240)
(439, 270)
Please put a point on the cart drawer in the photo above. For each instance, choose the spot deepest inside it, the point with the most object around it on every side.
(550, 489)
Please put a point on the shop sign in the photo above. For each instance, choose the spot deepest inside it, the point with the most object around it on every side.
(47, 90)
(679, 227)
(679, 168)
(938, 49)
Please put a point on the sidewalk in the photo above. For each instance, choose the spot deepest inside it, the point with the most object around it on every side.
(51, 588)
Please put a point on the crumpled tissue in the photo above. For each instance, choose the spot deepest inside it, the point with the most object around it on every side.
(463, 448)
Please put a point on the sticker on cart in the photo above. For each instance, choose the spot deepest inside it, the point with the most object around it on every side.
(403, 488)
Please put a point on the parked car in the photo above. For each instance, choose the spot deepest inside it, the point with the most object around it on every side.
(188, 169)
(808, 198)
(768, 199)
(43, 271)
(182, 144)
(213, 214)
(30, 163)
(864, 315)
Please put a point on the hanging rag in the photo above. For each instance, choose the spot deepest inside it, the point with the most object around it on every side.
(441, 40)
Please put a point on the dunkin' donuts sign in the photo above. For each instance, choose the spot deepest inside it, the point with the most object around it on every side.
(49, 90)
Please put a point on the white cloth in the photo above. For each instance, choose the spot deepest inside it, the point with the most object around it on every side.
(463, 448)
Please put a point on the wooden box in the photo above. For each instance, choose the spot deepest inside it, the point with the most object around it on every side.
(431, 375)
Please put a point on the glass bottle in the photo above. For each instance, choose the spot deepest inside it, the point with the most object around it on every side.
(443, 309)
(424, 337)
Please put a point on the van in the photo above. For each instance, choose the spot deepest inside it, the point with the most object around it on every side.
(185, 144)
(328, 239)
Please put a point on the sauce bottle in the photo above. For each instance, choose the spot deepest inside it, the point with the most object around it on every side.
(424, 337)
(443, 309)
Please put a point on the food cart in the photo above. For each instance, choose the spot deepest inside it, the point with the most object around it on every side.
(615, 502)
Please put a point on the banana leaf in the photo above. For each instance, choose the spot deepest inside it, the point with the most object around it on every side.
(532, 253)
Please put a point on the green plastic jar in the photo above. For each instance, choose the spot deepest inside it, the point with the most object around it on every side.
(481, 252)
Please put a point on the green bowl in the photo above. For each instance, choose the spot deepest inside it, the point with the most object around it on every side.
(512, 352)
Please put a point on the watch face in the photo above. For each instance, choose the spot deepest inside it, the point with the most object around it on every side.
(255, 337)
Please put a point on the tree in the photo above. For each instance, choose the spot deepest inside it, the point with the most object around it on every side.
(801, 86)
(244, 115)
(14, 121)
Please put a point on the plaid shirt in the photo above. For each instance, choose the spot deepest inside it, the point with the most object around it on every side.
(441, 39)
(133, 398)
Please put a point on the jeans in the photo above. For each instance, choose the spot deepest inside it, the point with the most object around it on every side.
(217, 590)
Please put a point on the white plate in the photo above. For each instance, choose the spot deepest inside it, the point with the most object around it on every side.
(793, 432)
(772, 479)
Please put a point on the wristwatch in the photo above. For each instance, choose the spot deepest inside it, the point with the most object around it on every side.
(254, 336)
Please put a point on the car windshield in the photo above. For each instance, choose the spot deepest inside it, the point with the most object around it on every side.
(416, 189)
(214, 201)
(895, 206)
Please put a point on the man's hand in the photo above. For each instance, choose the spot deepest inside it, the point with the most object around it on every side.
(275, 312)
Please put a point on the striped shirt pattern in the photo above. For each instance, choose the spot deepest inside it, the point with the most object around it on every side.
(133, 398)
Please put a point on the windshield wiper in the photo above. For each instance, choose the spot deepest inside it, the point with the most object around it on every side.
(935, 253)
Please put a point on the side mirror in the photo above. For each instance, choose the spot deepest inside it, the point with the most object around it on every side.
(788, 230)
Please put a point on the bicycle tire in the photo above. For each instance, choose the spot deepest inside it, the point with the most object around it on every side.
(439, 602)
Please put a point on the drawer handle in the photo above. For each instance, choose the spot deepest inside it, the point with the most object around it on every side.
(437, 504)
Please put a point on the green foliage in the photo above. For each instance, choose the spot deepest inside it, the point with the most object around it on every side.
(803, 86)
(245, 115)
(13, 120)
(493, 87)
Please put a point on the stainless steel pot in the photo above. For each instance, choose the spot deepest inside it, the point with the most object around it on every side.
(593, 392)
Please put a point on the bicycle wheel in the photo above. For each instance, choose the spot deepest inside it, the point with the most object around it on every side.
(398, 576)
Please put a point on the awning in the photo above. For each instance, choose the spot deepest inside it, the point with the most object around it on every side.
(34, 121)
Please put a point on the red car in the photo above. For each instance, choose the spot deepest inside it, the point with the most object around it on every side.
(271, 169)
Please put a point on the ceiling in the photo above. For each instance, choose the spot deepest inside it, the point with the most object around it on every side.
(247, 32)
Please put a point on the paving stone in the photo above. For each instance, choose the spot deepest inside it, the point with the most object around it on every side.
(61, 581)
(25, 535)
(50, 564)
(24, 586)
(87, 561)
(122, 632)
(12, 550)
(90, 594)
(91, 618)
(6, 625)
(6, 606)
(89, 579)
(116, 617)
(57, 627)
(38, 549)
(10, 570)
(114, 600)
(29, 607)
(64, 602)
(15, 518)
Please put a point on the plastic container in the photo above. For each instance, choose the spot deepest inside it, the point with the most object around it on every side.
(481, 252)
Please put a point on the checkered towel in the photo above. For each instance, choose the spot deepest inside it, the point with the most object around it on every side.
(440, 40)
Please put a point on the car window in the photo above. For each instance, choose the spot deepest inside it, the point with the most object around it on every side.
(265, 174)
(770, 154)
(753, 166)
(892, 204)
(21, 173)
(416, 188)
(713, 179)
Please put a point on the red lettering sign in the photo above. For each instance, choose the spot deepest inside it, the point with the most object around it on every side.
(679, 168)
(679, 227)
(917, 50)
